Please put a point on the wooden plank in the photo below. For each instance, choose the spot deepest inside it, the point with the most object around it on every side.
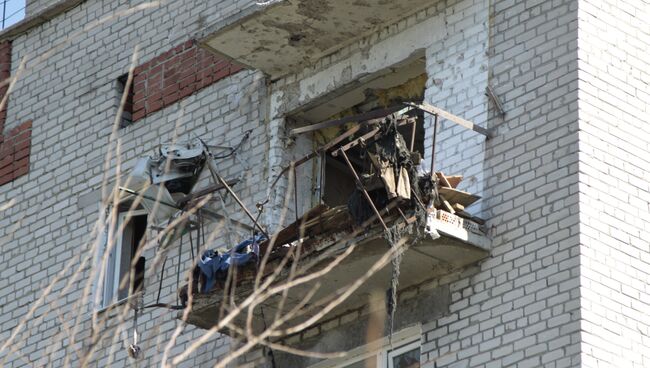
(478, 220)
(447, 205)
(458, 196)
(451, 117)
(292, 232)
(317, 152)
(374, 114)
(443, 180)
(454, 180)
(370, 135)
(469, 216)
(356, 142)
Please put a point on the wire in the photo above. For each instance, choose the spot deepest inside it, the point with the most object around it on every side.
(162, 276)
(14, 13)
(178, 269)
(270, 350)
(164, 305)
(237, 147)
(5, 18)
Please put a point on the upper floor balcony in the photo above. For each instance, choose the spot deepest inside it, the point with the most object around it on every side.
(278, 37)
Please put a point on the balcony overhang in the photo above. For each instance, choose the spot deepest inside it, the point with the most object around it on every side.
(446, 247)
(287, 35)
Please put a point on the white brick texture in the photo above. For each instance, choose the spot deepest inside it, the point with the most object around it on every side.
(521, 308)
(614, 84)
(564, 181)
(69, 90)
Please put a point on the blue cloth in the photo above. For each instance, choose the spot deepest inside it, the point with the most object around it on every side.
(214, 265)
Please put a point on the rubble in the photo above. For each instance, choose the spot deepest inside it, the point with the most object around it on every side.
(389, 188)
(393, 197)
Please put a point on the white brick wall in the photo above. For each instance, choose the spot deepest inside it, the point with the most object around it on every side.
(71, 98)
(566, 283)
(521, 308)
(33, 6)
(457, 67)
(614, 176)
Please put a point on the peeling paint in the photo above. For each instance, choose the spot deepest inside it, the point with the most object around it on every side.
(314, 9)
(361, 3)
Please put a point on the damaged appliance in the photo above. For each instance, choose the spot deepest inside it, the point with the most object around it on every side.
(170, 174)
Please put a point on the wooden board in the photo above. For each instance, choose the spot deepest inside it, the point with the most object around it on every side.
(450, 181)
(458, 196)
(447, 205)
(454, 180)
(443, 180)
(291, 232)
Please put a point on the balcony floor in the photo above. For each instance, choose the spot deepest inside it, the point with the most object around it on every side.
(444, 248)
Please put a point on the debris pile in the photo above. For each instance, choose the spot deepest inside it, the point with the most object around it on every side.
(453, 200)
(392, 192)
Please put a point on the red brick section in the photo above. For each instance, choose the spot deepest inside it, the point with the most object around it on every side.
(174, 75)
(14, 152)
(15, 145)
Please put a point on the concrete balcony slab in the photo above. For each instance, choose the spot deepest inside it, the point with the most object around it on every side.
(284, 36)
(445, 245)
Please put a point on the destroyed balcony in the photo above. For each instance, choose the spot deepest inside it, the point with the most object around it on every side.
(286, 35)
(446, 243)
(350, 246)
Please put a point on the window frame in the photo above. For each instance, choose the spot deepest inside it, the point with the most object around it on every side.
(407, 339)
(103, 300)
(401, 350)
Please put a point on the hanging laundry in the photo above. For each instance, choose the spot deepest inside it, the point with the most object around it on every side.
(215, 266)
(387, 173)
(403, 184)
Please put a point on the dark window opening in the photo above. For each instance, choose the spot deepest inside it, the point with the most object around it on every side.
(136, 279)
(339, 182)
(337, 179)
(389, 87)
(132, 269)
(124, 272)
(127, 113)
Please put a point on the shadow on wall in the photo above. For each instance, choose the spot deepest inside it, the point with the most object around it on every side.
(363, 326)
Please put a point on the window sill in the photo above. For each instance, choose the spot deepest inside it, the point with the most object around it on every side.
(116, 305)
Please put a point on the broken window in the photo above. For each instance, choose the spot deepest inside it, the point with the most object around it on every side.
(382, 90)
(338, 182)
(127, 112)
(124, 267)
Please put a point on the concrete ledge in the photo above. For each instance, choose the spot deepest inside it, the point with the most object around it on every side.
(284, 36)
(477, 240)
(39, 18)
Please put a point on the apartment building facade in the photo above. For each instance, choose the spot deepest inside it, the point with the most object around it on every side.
(562, 86)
